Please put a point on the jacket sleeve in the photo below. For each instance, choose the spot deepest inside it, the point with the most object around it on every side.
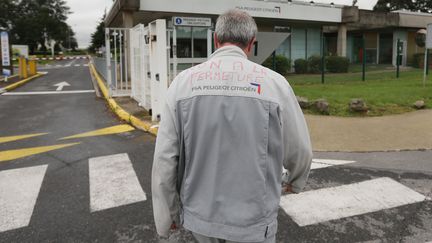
(297, 145)
(164, 172)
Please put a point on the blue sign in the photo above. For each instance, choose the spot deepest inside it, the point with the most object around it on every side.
(6, 72)
(4, 42)
(178, 21)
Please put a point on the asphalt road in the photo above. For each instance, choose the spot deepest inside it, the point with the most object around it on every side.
(60, 190)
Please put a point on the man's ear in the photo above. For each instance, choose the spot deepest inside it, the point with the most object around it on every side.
(216, 41)
(250, 45)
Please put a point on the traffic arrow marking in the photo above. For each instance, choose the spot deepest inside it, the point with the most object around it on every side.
(61, 85)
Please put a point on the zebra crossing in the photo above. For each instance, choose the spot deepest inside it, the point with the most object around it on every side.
(113, 183)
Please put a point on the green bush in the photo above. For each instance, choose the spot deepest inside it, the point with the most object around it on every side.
(314, 64)
(335, 64)
(283, 64)
(418, 60)
(300, 66)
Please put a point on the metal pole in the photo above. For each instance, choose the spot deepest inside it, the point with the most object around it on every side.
(427, 61)
(126, 48)
(121, 58)
(108, 60)
(398, 58)
(115, 58)
(364, 59)
(322, 57)
(174, 51)
(425, 67)
(274, 61)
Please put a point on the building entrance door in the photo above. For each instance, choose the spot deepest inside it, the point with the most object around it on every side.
(190, 45)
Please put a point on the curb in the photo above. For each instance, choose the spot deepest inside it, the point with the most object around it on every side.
(120, 112)
(13, 76)
(20, 83)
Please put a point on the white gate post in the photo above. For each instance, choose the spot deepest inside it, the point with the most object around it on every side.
(108, 61)
(158, 66)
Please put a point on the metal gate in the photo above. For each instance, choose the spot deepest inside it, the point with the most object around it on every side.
(140, 67)
(117, 61)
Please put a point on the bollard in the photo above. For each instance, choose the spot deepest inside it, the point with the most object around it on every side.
(32, 67)
(22, 68)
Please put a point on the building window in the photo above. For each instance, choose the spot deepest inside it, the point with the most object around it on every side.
(191, 42)
(199, 42)
(184, 42)
(285, 48)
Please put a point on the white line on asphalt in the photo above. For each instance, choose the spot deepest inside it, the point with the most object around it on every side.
(70, 63)
(322, 205)
(19, 189)
(323, 163)
(113, 182)
(50, 92)
(77, 65)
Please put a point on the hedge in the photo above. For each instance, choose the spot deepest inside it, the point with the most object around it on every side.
(314, 64)
(300, 66)
(335, 64)
(283, 64)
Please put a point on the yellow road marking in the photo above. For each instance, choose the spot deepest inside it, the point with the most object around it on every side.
(19, 137)
(103, 131)
(20, 153)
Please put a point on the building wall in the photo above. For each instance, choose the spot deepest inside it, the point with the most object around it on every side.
(314, 41)
(403, 36)
(412, 48)
(371, 46)
(305, 42)
(350, 44)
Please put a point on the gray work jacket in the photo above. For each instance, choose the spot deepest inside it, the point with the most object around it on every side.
(228, 127)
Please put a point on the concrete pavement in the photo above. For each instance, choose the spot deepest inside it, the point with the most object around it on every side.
(409, 131)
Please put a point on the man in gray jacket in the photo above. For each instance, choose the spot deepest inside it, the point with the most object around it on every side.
(228, 127)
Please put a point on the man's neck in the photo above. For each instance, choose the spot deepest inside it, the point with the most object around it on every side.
(233, 44)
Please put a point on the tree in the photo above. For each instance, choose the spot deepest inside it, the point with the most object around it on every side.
(39, 20)
(98, 37)
(7, 14)
(393, 5)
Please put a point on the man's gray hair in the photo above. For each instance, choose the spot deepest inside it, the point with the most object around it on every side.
(236, 27)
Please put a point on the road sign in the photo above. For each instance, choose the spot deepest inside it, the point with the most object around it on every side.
(4, 38)
(6, 72)
(192, 21)
(20, 51)
(429, 37)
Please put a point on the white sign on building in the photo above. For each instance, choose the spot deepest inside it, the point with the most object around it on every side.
(4, 39)
(429, 37)
(192, 21)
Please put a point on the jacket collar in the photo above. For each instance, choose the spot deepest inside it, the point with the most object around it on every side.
(229, 50)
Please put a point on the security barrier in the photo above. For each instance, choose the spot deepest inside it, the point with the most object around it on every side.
(26, 67)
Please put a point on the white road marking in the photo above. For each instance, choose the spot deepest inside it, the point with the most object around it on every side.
(322, 205)
(19, 189)
(323, 163)
(61, 85)
(50, 92)
(70, 63)
(113, 182)
(77, 65)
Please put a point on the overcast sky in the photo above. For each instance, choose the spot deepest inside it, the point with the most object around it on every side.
(87, 13)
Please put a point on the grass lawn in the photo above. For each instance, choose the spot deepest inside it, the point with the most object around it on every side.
(382, 92)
